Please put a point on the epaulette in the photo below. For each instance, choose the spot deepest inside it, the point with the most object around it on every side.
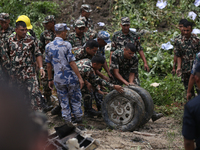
(117, 32)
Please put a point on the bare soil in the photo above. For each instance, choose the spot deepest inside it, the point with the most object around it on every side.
(165, 133)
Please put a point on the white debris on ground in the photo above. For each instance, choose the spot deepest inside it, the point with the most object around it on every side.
(73, 144)
(196, 31)
(197, 3)
(101, 24)
(192, 15)
(161, 4)
(167, 46)
(155, 84)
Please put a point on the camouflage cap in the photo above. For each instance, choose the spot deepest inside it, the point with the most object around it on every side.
(4, 16)
(61, 27)
(105, 36)
(125, 20)
(79, 23)
(86, 8)
(49, 18)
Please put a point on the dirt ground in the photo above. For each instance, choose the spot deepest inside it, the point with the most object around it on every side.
(165, 133)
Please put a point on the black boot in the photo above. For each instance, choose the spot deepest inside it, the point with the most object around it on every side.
(156, 116)
(56, 110)
(89, 111)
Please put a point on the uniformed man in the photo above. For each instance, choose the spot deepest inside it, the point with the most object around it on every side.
(46, 37)
(87, 69)
(85, 15)
(186, 49)
(124, 66)
(88, 51)
(59, 56)
(191, 79)
(124, 36)
(6, 30)
(4, 63)
(21, 49)
(78, 38)
(26, 19)
(177, 38)
(191, 119)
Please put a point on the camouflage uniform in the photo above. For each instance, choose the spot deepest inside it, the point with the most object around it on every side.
(91, 34)
(59, 54)
(74, 39)
(187, 50)
(4, 35)
(88, 73)
(4, 62)
(22, 66)
(119, 40)
(125, 66)
(87, 8)
(80, 53)
(46, 37)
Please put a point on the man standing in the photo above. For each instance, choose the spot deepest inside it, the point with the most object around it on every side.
(191, 119)
(21, 50)
(78, 38)
(124, 36)
(178, 38)
(66, 75)
(186, 49)
(124, 66)
(6, 30)
(46, 37)
(85, 15)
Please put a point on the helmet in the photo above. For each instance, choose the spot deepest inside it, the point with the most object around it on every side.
(25, 19)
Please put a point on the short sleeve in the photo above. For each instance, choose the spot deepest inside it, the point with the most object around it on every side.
(134, 65)
(69, 55)
(114, 61)
(47, 54)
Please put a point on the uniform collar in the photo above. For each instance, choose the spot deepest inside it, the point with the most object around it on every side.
(59, 38)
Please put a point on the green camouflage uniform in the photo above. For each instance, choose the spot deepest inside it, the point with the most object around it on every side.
(187, 49)
(89, 22)
(4, 35)
(22, 66)
(88, 73)
(119, 41)
(76, 41)
(125, 66)
(91, 34)
(4, 62)
(73, 37)
(80, 53)
(46, 37)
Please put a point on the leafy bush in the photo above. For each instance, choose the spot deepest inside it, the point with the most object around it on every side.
(35, 10)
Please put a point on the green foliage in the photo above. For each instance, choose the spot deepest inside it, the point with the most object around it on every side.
(145, 15)
(35, 10)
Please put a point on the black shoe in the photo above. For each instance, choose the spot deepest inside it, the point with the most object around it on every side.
(56, 110)
(47, 108)
(77, 120)
(156, 116)
(92, 113)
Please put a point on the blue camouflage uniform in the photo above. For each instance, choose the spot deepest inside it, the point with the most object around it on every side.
(59, 54)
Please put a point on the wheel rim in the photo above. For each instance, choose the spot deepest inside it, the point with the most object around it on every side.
(121, 110)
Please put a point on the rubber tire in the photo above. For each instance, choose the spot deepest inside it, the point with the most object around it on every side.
(148, 102)
(135, 100)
